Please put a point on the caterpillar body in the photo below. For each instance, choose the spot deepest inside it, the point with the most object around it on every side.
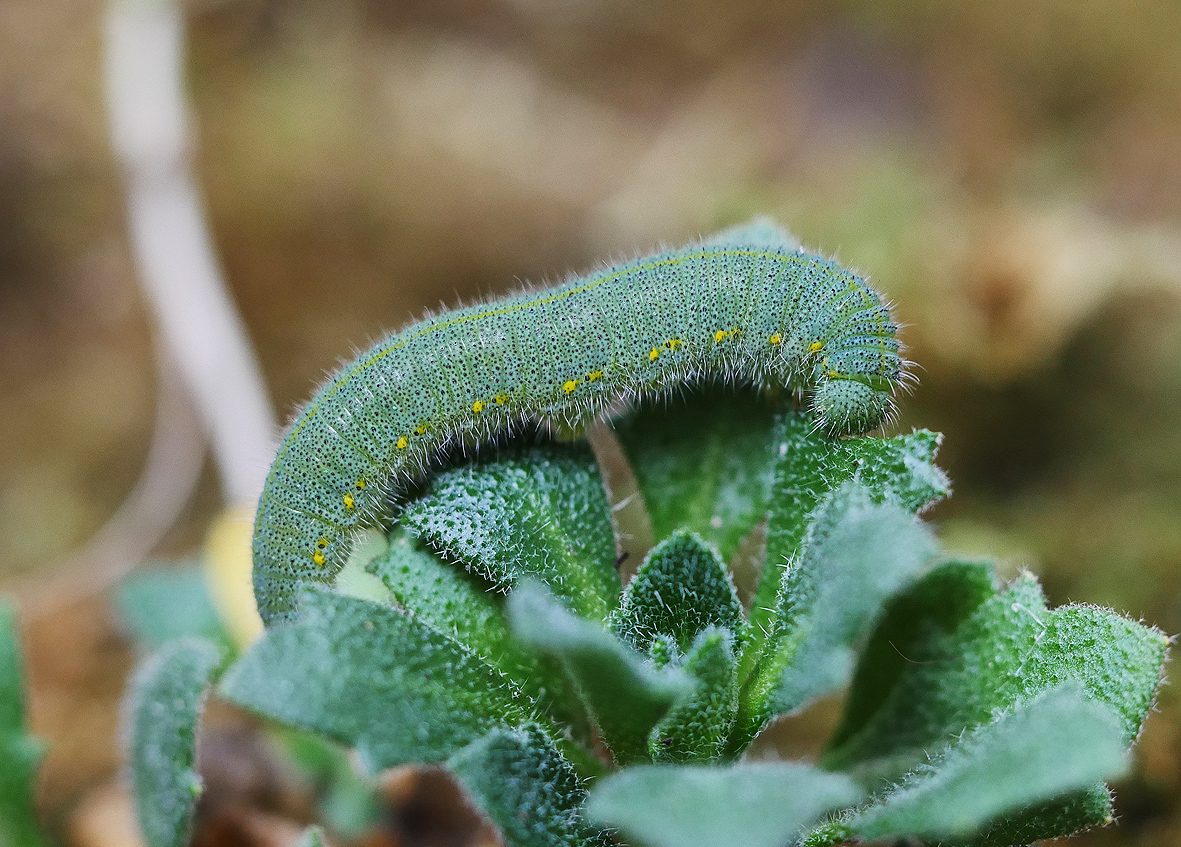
(746, 305)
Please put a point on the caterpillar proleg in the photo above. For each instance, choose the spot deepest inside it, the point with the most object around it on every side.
(745, 305)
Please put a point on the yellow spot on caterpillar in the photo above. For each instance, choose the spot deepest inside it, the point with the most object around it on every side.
(321, 542)
(719, 336)
(349, 502)
(501, 399)
(478, 406)
(653, 354)
(673, 343)
(815, 346)
(594, 375)
(776, 339)
(833, 374)
(318, 558)
(361, 484)
(402, 443)
(420, 429)
(569, 385)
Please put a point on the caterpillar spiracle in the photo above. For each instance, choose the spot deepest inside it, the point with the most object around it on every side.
(745, 305)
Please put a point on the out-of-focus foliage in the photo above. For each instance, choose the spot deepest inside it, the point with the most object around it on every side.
(159, 604)
(20, 752)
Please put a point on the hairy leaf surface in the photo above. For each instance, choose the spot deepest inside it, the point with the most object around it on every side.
(857, 554)
(697, 729)
(540, 512)
(758, 804)
(680, 589)
(808, 465)
(374, 678)
(955, 650)
(625, 695)
(969, 650)
(521, 782)
(1055, 744)
(468, 610)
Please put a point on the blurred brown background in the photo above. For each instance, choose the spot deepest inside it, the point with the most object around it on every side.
(1008, 172)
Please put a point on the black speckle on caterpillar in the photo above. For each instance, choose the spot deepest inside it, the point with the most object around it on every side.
(746, 305)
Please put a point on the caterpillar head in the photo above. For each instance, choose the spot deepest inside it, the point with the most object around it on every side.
(845, 406)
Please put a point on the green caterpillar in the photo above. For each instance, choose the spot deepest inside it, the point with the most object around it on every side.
(746, 305)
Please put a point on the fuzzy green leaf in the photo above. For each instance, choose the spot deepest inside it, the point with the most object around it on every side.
(466, 609)
(540, 512)
(1064, 815)
(521, 782)
(966, 651)
(681, 588)
(625, 695)
(809, 464)
(923, 614)
(969, 650)
(703, 462)
(857, 554)
(449, 600)
(162, 604)
(164, 705)
(1055, 744)
(696, 729)
(375, 678)
(760, 804)
(20, 753)
(1058, 817)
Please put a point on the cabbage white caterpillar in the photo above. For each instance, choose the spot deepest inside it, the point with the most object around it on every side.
(746, 305)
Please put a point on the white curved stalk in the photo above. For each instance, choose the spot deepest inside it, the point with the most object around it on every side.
(179, 272)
